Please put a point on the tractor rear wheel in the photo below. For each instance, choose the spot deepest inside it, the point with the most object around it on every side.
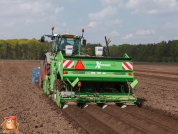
(46, 72)
(46, 68)
(41, 75)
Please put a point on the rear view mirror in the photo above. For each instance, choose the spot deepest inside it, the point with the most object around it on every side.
(52, 37)
(84, 42)
(42, 38)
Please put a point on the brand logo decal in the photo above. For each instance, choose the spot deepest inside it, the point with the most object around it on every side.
(99, 65)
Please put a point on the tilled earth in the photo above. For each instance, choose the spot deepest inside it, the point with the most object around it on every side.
(158, 86)
(36, 113)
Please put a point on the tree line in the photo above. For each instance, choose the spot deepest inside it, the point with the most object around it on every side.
(156, 52)
(21, 49)
(32, 49)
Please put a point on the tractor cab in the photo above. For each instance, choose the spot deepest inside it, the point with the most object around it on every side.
(68, 44)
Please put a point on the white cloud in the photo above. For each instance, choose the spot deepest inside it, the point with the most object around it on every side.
(176, 38)
(111, 18)
(6, 34)
(114, 22)
(26, 6)
(29, 21)
(133, 3)
(35, 7)
(70, 0)
(171, 25)
(22, 13)
(52, 17)
(162, 38)
(114, 34)
(7, 24)
(145, 32)
(128, 36)
(104, 13)
(64, 24)
(93, 24)
(59, 9)
(110, 2)
(10, 24)
(81, 20)
(152, 6)
(154, 11)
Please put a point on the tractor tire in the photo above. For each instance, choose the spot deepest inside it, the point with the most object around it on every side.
(40, 81)
(46, 68)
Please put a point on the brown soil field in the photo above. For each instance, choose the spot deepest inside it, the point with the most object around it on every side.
(158, 86)
(38, 114)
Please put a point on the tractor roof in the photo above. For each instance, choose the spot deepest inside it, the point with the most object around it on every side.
(67, 35)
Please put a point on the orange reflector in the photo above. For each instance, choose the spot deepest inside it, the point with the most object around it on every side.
(82, 29)
(52, 27)
(79, 84)
(79, 65)
(65, 72)
(130, 74)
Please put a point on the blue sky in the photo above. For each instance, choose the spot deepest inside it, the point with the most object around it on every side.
(125, 21)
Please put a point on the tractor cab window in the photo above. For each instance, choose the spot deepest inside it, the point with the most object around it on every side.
(69, 41)
(66, 41)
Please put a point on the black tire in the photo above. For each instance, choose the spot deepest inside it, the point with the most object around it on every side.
(46, 68)
(139, 103)
(41, 75)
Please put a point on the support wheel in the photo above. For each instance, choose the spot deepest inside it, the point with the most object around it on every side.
(139, 103)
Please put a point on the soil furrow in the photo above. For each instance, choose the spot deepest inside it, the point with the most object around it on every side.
(89, 123)
(112, 121)
(156, 118)
(157, 72)
(157, 77)
(139, 121)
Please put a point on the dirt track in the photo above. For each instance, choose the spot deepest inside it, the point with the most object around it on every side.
(36, 113)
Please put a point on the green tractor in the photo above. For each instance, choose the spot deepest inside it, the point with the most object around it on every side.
(71, 77)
